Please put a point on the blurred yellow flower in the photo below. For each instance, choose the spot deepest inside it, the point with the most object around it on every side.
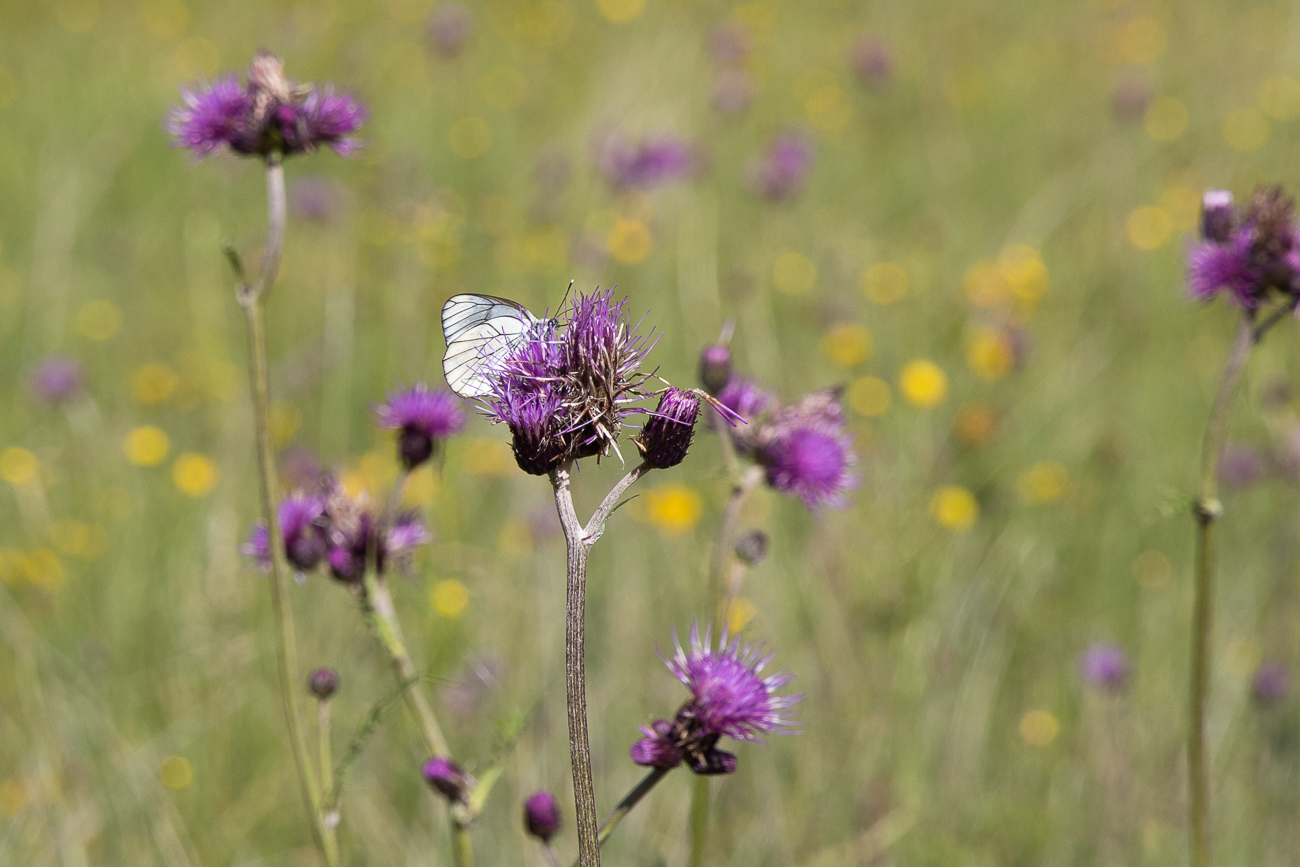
(629, 241)
(195, 474)
(989, 354)
(98, 320)
(954, 508)
(1141, 40)
(923, 383)
(869, 396)
(153, 384)
(284, 422)
(1023, 271)
(421, 487)
(739, 614)
(515, 539)
(469, 137)
(41, 568)
(79, 539)
(1044, 482)
(1149, 227)
(847, 344)
(620, 11)
(18, 466)
(487, 458)
(976, 425)
(828, 108)
(884, 282)
(449, 598)
(1279, 97)
(503, 88)
(1245, 129)
(176, 772)
(984, 284)
(1166, 119)
(13, 797)
(1038, 728)
(673, 509)
(146, 446)
(1152, 570)
(794, 273)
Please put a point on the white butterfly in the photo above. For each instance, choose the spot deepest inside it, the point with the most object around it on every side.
(482, 332)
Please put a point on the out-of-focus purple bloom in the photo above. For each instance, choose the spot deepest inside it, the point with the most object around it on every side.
(873, 62)
(728, 43)
(1249, 255)
(355, 536)
(424, 418)
(1131, 98)
(56, 379)
(542, 815)
(806, 451)
(715, 368)
(447, 777)
(268, 115)
(652, 162)
(1241, 466)
(729, 697)
(745, 398)
(1213, 266)
(1104, 666)
(313, 198)
(782, 171)
(1217, 216)
(323, 683)
(450, 27)
(733, 91)
(302, 524)
(300, 468)
(1271, 683)
(666, 437)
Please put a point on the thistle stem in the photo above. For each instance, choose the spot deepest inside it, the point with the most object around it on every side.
(630, 800)
(723, 591)
(1207, 510)
(251, 298)
(699, 819)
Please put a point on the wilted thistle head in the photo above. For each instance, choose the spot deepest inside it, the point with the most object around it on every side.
(806, 450)
(446, 776)
(423, 418)
(1104, 666)
(666, 436)
(1249, 254)
(323, 683)
(729, 697)
(270, 114)
(56, 378)
(542, 815)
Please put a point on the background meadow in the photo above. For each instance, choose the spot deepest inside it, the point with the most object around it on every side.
(987, 254)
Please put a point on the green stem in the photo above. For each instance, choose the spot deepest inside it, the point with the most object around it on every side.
(630, 800)
(699, 819)
(1207, 510)
(723, 592)
(251, 297)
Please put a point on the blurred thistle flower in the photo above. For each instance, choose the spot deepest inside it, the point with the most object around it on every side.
(269, 115)
(1271, 683)
(447, 777)
(302, 523)
(872, 61)
(715, 368)
(56, 378)
(728, 698)
(751, 548)
(315, 199)
(355, 536)
(300, 468)
(806, 451)
(745, 398)
(424, 418)
(652, 162)
(782, 171)
(542, 815)
(1104, 666)
(1131, 98)
(323, 683)
(450, 27)
(1240, 466)
(728, 43)
(733, 91)
(666, 437)
(1247, 254)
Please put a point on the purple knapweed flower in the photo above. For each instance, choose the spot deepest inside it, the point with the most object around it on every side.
(872, 61)
(269, 115)
(653, 162)
(729, 697)
(1104, 666)
(666, 437)
(783, 169)
(450, 27)
(806, 451)
(1249, 255)
(302, 524)
(542, 815)
(447, 777)
(423, 418)
(323, 683)
(56, 379)
(1271, 683)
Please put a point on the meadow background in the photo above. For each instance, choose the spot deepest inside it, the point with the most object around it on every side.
(1008, 202)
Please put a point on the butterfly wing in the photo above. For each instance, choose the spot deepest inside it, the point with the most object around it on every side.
(482, 331)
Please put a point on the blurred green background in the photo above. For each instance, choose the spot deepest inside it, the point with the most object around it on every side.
(988, 253)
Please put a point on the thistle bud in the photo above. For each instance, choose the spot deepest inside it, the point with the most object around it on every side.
(666, 437)
(715, 367)
(751, 548)
(542, 815)
(323, 683)
(447, 777)
(1216, 216)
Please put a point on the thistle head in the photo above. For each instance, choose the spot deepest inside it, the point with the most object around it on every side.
(423, 419)
(715, 367)
(666, 437)
(806, 451)
(447, 778)
(323, 683)
(542, 815)
(1104, 666)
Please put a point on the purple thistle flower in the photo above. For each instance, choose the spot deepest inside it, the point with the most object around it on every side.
(211, 116)
(783, 169)
(1217, 216)
(873, 62)
(424, 418)
(1104, 666)
(329, 119)
(1248, 256)
(806, 451)
(729, 698)
(542, 815)
(447, 777)
(450, 27)
(651, 163)
(745, 398)
(715, 367)
(666, 437)
(1212, 266)
(355, 534)
(56, 379)
(1271, 683)
(302, 524)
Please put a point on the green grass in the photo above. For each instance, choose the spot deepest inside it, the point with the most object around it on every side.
(919, 650)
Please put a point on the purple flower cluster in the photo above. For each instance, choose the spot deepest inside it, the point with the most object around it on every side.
(1249, 254)
(782, 171)
(1104, 666)
(423, 418)
(652, 162)
(729, 697)
(566, 396)
(339, 532)
(268, 115)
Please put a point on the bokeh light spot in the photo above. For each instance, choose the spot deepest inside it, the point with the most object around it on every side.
(1245, 129)
(1038, 728)
(847, 344)
(794, 273)
(469, 137)
(620, 11)
(828, 108)
(869, 396)
(884, 282)
(923, 383)
(195, 475)
(1044, 482)
(1279, 97)
(1183, 205)
(449, 598)
(1023, 271)
(739, 614)
(989, 355)
(673, 509)
(79, 539)
(1148, 227)
(99, 320)
(1142, 40)
(984, 284)
(629, 241)
(18, 466)
(1166, 119)
(176, 772)
(42, 569)
(146, 446)
(954, 508)
(152, 384)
